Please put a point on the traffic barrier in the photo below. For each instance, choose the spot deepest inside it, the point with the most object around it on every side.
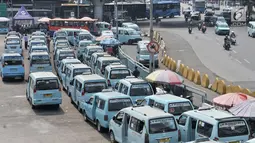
(169, 63)
(221, 87)
(215, 84)
(246, 91)
(197, 78)
(237, 89)
(205, 81)
(173, 65)
(229, 89)
(181, 69)
(164, 59)
(253, 94)
(185, 71)
(154, 34)
(191, 74)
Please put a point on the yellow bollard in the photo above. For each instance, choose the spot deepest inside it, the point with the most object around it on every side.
(229, 89)
(237, 89)
(197, 78)
(173, 66)
(181, 69)
(205, 81)
(169, 63)
(191, 74)
(246, 91)
(215, 84)
(221, 89)
(167, 60)
(185, 72)
(164, 59)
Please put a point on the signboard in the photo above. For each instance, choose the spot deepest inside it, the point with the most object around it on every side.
(3, 10)
(153, 47)
(238, 16)
(72, 14)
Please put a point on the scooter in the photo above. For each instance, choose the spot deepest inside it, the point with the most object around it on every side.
(186, 18)
(227, 46)
(190, 30)
(203, 29)
(233, 41)
(199, 26)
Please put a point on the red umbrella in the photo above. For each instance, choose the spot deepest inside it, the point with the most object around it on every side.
(231, 99)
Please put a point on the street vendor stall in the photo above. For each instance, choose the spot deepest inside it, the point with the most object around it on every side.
(22, 17)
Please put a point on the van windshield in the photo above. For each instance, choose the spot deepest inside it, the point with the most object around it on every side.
(12, 60)
(119, 73)
(91, 51)
(118, 104)
(65, 55)
(140, 89)
(93, 87)
(12, 41)
(179, 107)
(85, 37)
(81, 71)
(47, 84)
(162, 125)
(232, 128)
(40, 60)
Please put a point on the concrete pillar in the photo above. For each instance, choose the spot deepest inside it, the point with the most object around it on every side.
(98, 9)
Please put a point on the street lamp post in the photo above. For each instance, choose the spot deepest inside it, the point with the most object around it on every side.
(116, 19)
(78, 9)
(152, 62)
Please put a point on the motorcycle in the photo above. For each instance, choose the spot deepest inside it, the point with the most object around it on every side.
(190, 30)
(199, 26)
(186, 18)
(203, 29)
(227, 45)
(233, 40)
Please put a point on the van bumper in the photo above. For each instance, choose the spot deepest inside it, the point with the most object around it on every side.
(14, 75)
(49, 101)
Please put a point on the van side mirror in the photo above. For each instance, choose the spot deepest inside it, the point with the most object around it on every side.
(114, 117)
(71, 82)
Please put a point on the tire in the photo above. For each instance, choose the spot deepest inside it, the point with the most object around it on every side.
(85, 117)
(3, 78)
(72, 100)
(27, 96)
(78, 107)
(112, 137)
(129, 42)
(57, 106)
(99, 127)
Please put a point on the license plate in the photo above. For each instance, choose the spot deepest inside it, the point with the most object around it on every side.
(234, 142)
(167, 140)
(13, 70)
(13, 47)
(40, 68)
(47, 95)
(139, 100)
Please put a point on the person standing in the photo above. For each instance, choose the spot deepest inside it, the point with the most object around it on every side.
(136, 72)
(26, 40)
(48, 41)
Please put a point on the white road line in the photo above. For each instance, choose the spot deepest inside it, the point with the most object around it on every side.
(234, 51)
(246, 61)
(180, 50)
(238, 61)
(19, 96)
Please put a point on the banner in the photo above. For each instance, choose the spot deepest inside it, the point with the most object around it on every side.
(238, 14)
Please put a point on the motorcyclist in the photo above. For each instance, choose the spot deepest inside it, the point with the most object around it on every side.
(232, 34)
(136, 72)
(226, 39)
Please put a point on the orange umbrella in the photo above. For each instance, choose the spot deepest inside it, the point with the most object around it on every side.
(231, 99)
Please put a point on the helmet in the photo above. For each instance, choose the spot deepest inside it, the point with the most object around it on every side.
(226, 36)
(232, 31)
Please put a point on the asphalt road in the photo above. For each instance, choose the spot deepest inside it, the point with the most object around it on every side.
(20, 124)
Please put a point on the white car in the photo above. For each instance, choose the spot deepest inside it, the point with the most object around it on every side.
(107, 33)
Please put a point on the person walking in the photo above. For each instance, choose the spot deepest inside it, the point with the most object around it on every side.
(136, 72)
(26, 40)
(48, 41)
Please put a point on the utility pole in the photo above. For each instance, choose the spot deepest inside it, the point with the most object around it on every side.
(78, 9)
(116, 19)
(151, 37)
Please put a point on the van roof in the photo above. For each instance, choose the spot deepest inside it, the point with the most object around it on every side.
(11, 54)
(147, 112)
(134, 80)
(43, 75)
(91, 77)
(100, 53)
(94, 47)
(85, 41)
(107, 58)
(252, 22)
(39, 53)
(116, 66)
(166, 98)
(70, 60)
(106, 95)
(124, 28)
(39, 46)
(76, 66)
(210, 115)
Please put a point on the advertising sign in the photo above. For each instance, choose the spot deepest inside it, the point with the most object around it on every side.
(238, 16)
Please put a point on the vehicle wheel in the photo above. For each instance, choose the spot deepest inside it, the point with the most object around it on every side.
(171, 16)
(248, 34)
(57, 106)
(99, 127)
(72, 100)
(85, 116)
(112, 137)
(129, 42)
(27, 96)
(68, 93)
(33, 106)
(3, 78)
(78, 107)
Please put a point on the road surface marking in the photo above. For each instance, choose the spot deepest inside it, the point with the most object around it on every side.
(19, 96)
(234, 51)
(238, 61)
(180, 50)
(246, 61)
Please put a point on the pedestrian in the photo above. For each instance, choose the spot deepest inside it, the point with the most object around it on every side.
(136, 72)
(48, 41)
(162, 46)
(26, 40)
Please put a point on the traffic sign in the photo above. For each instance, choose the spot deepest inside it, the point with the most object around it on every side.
(153, 47)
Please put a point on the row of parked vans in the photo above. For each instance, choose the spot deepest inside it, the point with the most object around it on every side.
(107, 94)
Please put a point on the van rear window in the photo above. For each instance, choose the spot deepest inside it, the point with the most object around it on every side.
(140, 89)
(12, 41)
(119, 74)
(40, 60)
(232, 128)
(47, 84)
(93, 87)
(162, 125)
(179, 107)
(118, 104)
(82, 71)
(12, 62)
(65, 55)
(91, 51)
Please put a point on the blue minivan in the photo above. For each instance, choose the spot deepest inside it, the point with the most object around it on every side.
(12, 65)
(43, 88)
(39, 61)
(13, 44)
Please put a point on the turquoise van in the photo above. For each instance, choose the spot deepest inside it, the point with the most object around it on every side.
(61, 44)
(102, 62)
(72, 34)
(43, 48)
(43, 88)
(85, 35)
(102, 26)
(133, 26)
(94, 57)
(102, 106)
(127, 35)
(136, 88)
(36, 38)
(13, 44)
(12, 66)
(59, 33)
(62, 54)
(37, 43)
(39, 61)
(72, 70)
(143, 125)
(170, 103)
(81, 47)
(89, 50)
(63, 64)
(115, 72)
(84, 86)
(217, 125)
